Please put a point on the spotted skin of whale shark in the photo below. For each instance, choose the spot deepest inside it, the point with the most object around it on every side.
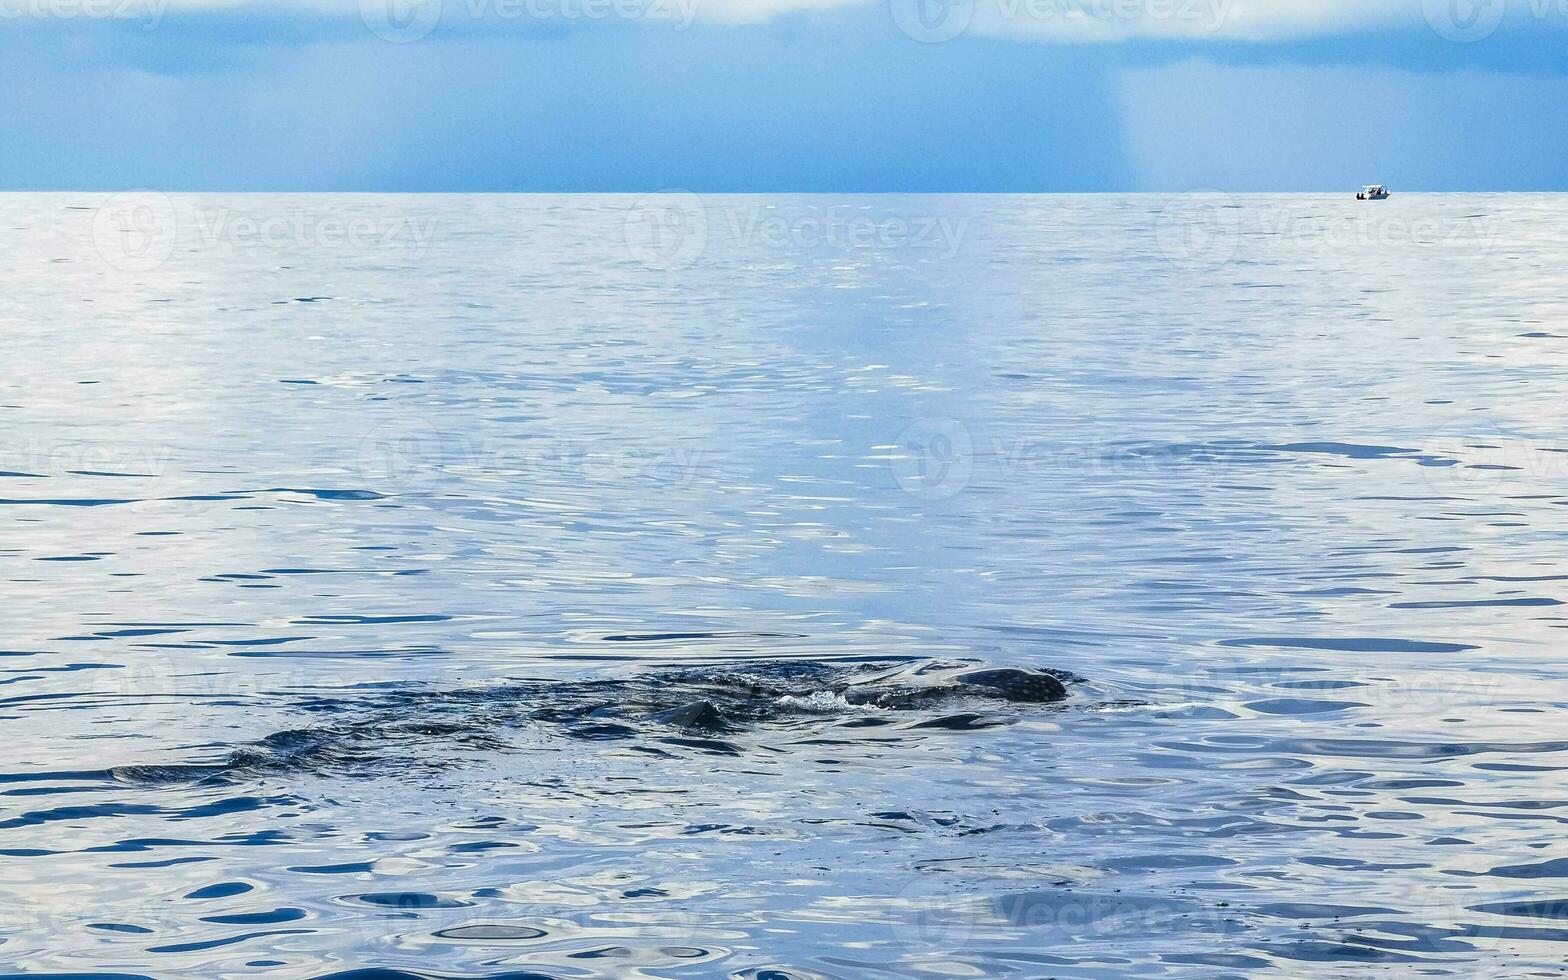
(694, 708)
(1023, 686)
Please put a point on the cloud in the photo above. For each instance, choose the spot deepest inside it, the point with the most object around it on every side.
(1187, 20)
(1056, 21)
(1101, 21)
(1067, 20)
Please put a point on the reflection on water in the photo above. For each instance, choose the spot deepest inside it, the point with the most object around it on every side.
(491, 587)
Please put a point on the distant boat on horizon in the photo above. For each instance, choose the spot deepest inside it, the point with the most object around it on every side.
(1373, 192)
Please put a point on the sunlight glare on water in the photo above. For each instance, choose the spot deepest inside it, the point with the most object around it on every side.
(365, 558)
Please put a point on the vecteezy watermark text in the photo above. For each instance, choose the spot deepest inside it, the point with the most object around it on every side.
(672, 229)
(844, 229)
(305, 227)
(939, 458)
(412, 456)
(1211, 14)
(404, 21)
(46, 459)
(149, 12)
(934, 21)
(1209, 229)
(138, 231)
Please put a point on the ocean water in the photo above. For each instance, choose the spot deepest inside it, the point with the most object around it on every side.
(367, 563)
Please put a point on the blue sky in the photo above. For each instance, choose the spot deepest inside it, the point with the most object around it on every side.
(784, 95)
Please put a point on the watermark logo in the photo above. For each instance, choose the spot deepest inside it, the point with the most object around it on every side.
(1465, 21)
(845, 228)
(934, 459)
(933, 21)
(1199, 230)
(1203, 231)
(411, 456)
(1375, 228)
(401, 457)
(1466, 462)
(136, 231)
(302, 228)
(400, 21)
(667, 230)
(934, 914)
(1213, 678)
(1480, 458)
(404, 21)
(1475, 911)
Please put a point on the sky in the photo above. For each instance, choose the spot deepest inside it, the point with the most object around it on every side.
(783, 95)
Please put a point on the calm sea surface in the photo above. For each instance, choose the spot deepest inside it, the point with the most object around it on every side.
(355, 550)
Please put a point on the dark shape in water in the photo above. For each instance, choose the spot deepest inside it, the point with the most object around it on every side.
(667, 637)
(353, 732)
(697, 714)
(939, 682)
(966, 722)
(490, 933)
(1017, 685)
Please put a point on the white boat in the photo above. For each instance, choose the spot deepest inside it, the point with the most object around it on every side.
(1373, 192)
